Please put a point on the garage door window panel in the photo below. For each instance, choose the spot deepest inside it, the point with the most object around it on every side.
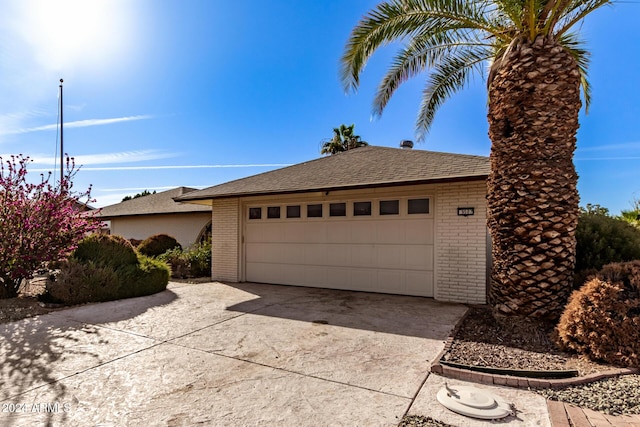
(361, 208)
(293, 211)
(255, 213)
(273, 212)
(389, 207)
(418, 206)
(314, 211)
(338, 209)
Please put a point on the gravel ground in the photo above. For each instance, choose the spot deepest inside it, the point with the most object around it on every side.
(420, 421)
(613, 396)
(512, 343)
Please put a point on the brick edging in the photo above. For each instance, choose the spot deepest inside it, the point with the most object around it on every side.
(510, 380)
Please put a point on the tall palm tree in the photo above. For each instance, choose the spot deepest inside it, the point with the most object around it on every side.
(537, 66)
(343, 139)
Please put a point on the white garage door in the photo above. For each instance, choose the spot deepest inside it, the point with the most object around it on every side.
(364, 245)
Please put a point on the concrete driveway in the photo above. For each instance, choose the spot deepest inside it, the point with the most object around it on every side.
(224, 354)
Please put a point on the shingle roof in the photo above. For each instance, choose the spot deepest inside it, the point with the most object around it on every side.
(158, 203)
(358, 168)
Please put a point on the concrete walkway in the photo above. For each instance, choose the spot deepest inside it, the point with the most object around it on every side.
(235, 355)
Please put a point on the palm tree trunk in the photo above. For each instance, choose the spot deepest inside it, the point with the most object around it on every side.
(534, 101)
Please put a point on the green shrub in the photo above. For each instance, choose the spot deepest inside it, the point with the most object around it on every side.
(195, 262)
(157, 245)
(602, 240)
(199, 259)
(105, 249)
(149, 277)
(178, 262)
(101, 269)
(602, 319)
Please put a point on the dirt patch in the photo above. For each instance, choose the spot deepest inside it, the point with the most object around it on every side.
(20, 308)
(26, 304)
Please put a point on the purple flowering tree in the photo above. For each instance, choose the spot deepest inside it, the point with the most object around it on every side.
(39, 222)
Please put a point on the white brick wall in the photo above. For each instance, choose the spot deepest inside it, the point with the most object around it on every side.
(461, 243)
(225, 250)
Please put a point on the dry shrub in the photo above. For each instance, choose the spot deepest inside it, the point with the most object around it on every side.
(602, 319)
(79, 282)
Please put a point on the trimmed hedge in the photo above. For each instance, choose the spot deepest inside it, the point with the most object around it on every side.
(106, 249)
(106, 268)
(158, 244)
(602, 319)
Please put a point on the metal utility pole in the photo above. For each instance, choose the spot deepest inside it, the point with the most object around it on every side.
(61, 137)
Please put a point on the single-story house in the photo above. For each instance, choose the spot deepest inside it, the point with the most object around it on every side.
(375, 219)
(158, 213)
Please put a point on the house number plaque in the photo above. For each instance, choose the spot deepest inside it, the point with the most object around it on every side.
(466, 211)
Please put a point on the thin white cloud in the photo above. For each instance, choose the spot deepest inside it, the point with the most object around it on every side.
(107, 158)
(76, 124)
(635, 145)
(23, 115)
(582, 159)
(160, 167)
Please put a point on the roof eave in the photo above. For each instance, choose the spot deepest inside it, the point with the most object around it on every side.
(337, 188)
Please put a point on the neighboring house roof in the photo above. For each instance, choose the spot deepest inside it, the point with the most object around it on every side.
(358, 168)
(158, 203)
(82, 207)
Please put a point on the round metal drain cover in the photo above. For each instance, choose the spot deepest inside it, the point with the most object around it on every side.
(473, 402)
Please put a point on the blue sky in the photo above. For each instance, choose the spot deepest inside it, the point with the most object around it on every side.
(160, 94)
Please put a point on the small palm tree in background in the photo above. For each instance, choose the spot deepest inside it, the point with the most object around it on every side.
(632, 216)
(537, 66)
(343, 139)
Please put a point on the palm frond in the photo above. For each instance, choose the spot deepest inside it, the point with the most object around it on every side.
(510, 9)
(574, 12)
(448, 77)
(396, 19)
(386, 23)
(574, 46)
(420, 55)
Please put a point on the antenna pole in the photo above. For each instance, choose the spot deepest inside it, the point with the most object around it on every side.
(61, 137)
